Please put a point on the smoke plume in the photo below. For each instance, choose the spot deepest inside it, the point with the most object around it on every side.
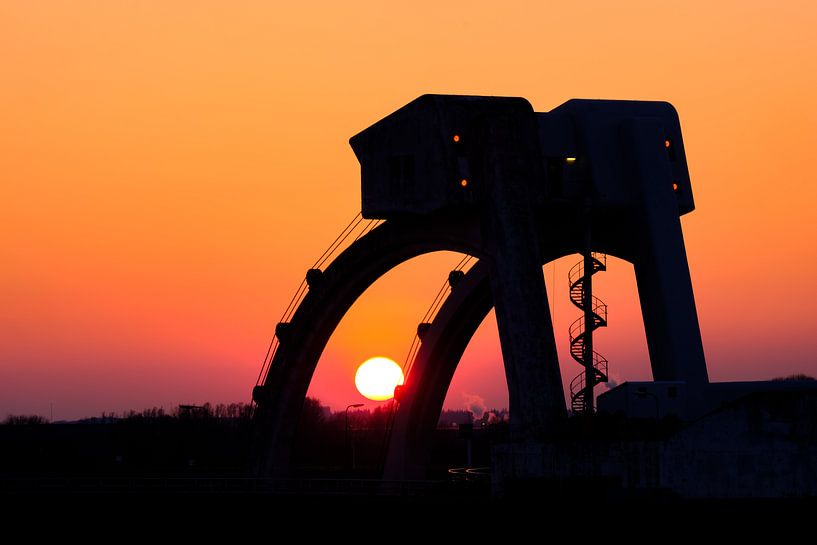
(475, 404)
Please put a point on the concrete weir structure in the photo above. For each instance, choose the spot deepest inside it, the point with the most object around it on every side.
(490, 177)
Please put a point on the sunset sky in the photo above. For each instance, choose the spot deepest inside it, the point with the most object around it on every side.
(169, 170)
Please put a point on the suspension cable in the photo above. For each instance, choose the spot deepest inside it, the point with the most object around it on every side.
(338, 240)
(300, 293)
(432, 310)
(412, 353)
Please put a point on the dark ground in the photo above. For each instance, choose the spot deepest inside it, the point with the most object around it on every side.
(171, 474)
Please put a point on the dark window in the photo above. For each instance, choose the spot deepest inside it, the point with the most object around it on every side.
(401, 174)
(555, 176)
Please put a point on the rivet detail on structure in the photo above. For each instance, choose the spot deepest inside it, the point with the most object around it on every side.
(422, 329)
(282, 330)
(260, 393)
(314, 278)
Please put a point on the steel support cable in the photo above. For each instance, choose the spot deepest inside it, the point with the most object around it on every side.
(338, 240)
(293, 304)
(412, 353)
(369, 227)
(432, 310)
(302, 288)
(415, 343)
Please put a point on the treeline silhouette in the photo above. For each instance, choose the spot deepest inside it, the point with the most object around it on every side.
(23, 420)
(217, 440)
(314, 413)
(211, 440)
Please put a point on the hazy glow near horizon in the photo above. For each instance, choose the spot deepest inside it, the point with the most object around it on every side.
(169, 172)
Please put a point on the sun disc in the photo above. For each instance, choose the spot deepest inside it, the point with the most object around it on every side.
(377, 377)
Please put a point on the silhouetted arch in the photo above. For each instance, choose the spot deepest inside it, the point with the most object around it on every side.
(369, 258)
(445, 342)
(329, 298)
(624, 193)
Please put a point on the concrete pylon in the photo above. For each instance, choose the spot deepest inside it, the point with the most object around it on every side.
(661, 267)
(506, 159)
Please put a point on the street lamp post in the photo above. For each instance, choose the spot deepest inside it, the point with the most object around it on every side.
(349, 448)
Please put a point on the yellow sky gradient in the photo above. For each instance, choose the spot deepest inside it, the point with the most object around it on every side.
(168, 170)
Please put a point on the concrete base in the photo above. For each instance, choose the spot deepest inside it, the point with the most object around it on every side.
(659, 399)
(763, 445)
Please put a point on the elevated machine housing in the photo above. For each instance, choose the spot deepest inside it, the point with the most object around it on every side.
(414, 160)
(616, 167)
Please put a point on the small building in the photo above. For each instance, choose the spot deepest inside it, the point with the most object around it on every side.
(646, 400)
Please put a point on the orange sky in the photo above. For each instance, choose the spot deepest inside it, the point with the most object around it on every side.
(168, 170)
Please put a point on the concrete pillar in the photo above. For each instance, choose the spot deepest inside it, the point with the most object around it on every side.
(661, 268)
(508, 172)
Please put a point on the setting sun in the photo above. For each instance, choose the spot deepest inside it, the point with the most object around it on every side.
(377, 377)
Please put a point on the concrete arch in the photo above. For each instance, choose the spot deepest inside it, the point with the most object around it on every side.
(395, 242)
(456, 323)
(281, 397)
(624, 196)
(443, 346)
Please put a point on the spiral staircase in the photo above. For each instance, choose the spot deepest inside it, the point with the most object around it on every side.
(580, 332)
